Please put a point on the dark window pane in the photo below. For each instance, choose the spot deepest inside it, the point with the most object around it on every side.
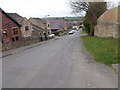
(13, 39)
(26, 28)
(17, 38)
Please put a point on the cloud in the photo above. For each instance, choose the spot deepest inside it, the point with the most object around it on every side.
(36, 8)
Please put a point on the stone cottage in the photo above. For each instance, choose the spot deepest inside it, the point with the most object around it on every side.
(56, 24)
(38, 33)
(41, 23)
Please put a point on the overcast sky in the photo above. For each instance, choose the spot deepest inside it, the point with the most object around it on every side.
(37, 8)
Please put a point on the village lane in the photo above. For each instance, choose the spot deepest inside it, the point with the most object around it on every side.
(62, 63)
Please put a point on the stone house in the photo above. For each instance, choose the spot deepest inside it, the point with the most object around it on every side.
(38, 33)
(41, 23)
(56, 24)
(26, 28)
(9, 28)
(108, 24)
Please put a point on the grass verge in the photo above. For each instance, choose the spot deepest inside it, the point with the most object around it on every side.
(84, 32)
(104, 50)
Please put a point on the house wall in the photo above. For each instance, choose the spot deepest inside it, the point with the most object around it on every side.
(0, 20)
(8, 25)
(38, 34)
(108, 25)
(27, 33)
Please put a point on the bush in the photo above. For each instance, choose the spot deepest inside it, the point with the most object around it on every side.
(89, 28)
(58, 32)
(86, 28)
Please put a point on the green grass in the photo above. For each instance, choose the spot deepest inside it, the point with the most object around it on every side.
(104, 50)
(84, 32)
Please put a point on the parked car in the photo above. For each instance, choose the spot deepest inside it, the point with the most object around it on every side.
(75, 27)
(51, 35)
(71, 32)
(74, 30)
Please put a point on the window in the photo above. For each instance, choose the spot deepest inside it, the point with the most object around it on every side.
(13, 39)
(48, 32)
(15, 31)
(26, 28)
(17, 38)
(48, 25)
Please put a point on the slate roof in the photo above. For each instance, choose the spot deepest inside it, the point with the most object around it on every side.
(16, 16)
(37, 28)
(40, 20)
(57, 23)
(10, 17)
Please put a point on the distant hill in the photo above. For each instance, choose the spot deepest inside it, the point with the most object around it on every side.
(72, 18)
(67, 18)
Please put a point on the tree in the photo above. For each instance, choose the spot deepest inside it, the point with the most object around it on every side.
(78, 7)
(93, 11)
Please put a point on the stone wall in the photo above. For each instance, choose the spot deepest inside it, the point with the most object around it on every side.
(26, 33)
(108, 24)
(107, 29)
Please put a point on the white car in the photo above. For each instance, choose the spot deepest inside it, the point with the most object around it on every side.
(75, 27)
(51, 35)
(71, 32)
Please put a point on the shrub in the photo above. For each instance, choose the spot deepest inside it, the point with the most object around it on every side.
(58, 32)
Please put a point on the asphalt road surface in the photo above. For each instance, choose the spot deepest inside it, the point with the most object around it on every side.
(62, 63)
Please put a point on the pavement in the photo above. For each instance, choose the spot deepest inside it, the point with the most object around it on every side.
(61, 63)
(17, 50)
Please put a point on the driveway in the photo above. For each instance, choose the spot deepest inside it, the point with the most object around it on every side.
(62, 63)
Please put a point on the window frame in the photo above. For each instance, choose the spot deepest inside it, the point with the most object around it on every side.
(26, 28)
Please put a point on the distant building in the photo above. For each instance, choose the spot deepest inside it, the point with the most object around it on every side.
(56, 24)
(9, 28)
(38, 33)
(41, 23)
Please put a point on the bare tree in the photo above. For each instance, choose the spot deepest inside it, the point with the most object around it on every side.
(78, 7)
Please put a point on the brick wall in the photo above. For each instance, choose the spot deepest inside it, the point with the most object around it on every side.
(108, 24)
(8, 25)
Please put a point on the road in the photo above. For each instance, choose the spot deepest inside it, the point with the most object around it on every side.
(62, 63)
